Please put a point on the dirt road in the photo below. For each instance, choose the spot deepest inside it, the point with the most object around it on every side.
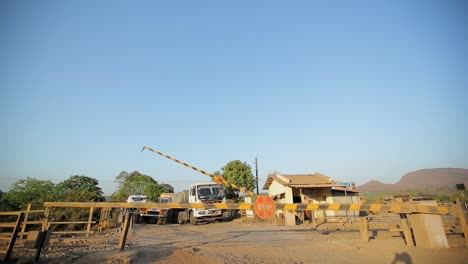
(242, 242)
(235, 242)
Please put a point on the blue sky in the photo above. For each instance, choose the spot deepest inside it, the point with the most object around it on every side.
(356, 90)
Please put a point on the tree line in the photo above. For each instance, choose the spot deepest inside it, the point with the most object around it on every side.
(81, 188)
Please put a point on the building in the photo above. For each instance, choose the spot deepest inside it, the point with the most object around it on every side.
(311, 188)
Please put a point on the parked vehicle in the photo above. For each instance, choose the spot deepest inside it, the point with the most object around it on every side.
(156, 215)
(204, 192)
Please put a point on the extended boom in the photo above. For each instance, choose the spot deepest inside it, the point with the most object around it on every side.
(216, 178)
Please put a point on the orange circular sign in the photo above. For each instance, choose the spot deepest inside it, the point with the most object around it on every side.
(265, 207)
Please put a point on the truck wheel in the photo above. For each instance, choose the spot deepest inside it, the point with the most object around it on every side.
(172, 216)
(193, 220)
(180, 218)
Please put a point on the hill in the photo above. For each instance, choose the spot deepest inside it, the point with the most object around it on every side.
(425, 179)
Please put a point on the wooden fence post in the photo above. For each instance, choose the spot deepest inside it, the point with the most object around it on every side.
(45, 220)
(16, 230)
(126, 226)
(90, 218)
(44, 238)
(461, 216)
(26, 217)
(364, 223)
(102, 218)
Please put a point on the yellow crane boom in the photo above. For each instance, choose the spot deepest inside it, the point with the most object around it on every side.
(216, 178)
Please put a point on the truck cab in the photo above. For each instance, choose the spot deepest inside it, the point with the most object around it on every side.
(137, 199)
(151, 215)
(202, 192)
(205, 192)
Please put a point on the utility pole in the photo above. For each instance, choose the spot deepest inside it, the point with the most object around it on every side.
(256, 172)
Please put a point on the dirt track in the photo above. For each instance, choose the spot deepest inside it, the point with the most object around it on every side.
(241, 242)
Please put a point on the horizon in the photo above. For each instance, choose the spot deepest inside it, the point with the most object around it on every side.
(360, 91)
(260, 185)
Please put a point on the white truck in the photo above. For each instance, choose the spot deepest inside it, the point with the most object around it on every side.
(136, 211)
(203, 192)
(156, 215)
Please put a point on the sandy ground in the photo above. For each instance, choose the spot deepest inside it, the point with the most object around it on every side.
(244, 242)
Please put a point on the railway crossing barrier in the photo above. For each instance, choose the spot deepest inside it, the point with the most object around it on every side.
(429, 224)
(393, 208)
(264, 208)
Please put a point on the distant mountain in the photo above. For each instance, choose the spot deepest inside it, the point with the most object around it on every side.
(376, 186)
(426, 179)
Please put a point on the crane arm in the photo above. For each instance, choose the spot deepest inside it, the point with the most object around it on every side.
(216, 178)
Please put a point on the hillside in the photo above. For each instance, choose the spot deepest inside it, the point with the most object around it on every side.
(425, 179)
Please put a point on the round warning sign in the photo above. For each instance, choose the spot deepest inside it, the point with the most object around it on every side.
(265, 207)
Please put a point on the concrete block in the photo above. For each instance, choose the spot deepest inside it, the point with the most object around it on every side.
(428, 231)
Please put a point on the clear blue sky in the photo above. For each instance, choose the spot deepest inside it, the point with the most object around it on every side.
(356, 90)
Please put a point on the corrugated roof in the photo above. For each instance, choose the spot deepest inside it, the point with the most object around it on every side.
(315, 180)
(315, 185)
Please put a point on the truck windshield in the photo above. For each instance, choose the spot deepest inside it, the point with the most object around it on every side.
(137, 199)
(164, 200)
(217, 190)
(204, 191)
(210, 191)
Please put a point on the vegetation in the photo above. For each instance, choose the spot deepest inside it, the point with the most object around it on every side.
(240, 174)
(1, 200)
(26, 191)
(167, 188)
(36, 192)
(79, 189)
(137, 183)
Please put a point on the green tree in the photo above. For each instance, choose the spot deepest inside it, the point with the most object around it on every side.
(167, 188)
(2, 204)
(239, 173)
(136, 183)
(79, 188)
(26, 191)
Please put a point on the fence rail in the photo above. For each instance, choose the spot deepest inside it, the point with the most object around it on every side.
(19, 230)
(393, 208)
(11, 235)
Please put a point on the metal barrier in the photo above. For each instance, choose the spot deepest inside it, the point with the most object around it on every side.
(394, 208)
(403, 209)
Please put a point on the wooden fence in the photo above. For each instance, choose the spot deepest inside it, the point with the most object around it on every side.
(103, 210)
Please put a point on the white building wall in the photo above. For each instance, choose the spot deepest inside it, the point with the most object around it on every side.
(276, 189)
